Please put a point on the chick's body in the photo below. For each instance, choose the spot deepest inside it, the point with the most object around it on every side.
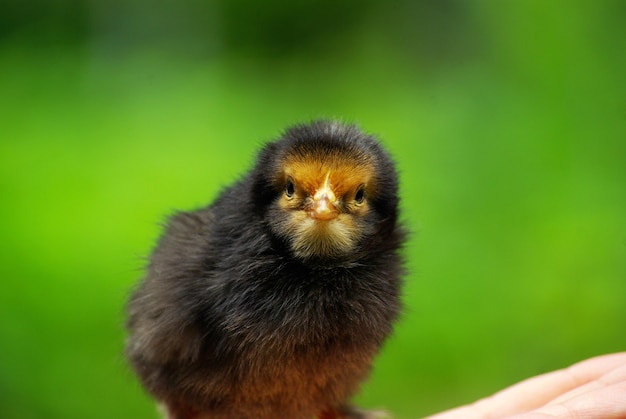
(273, 301)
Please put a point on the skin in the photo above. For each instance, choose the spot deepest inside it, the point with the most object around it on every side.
(592, 389)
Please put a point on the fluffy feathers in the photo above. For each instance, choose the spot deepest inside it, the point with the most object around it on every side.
(254, 308)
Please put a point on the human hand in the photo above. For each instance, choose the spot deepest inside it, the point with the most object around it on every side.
(592, 389)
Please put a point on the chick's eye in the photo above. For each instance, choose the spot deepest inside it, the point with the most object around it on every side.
(359, 197)
(290, 188)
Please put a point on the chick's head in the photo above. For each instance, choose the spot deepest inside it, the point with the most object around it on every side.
(326, 188)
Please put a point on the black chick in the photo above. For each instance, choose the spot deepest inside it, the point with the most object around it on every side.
(273, 301)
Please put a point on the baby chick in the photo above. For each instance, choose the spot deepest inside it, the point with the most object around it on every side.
(273, 301)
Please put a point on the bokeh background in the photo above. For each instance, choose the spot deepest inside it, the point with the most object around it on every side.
(507, 121)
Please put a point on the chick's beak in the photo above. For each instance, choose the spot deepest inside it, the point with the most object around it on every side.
(324, 200)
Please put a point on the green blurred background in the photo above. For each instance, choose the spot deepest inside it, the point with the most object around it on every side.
(507, 120)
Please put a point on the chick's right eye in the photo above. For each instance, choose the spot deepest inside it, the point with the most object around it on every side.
(290, 188)
(359, 197)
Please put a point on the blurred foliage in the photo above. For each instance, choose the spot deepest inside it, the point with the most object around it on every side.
(507, 120)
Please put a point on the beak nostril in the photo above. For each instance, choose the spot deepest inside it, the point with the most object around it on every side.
(324, 209)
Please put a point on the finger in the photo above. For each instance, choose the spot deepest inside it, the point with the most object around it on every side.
(615, 375)
(607, 402)
(593, 368)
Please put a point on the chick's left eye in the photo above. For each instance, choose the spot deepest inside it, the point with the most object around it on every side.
(290, 188)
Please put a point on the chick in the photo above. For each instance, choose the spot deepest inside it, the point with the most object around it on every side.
(273, 301)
